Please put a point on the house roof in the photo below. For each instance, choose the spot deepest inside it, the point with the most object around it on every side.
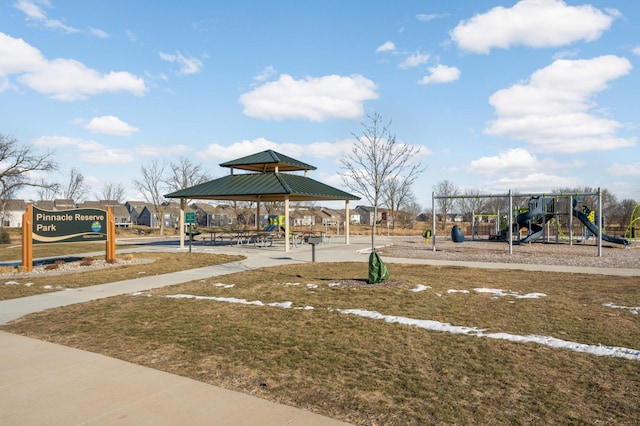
(267, 161)
(263, 187)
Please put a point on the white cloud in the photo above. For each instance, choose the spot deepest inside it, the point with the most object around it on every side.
(312, 98)
(515, 162)
(426, 17)
(95, 153)
(505, 163)
(414, 60)
(56, 141)
(534, 182)
(618, 169)
(248, 147)
(90, 151)
(386, 47)
(96, 32)
(440, 74)
(110, 125)
(37, 15)
(265, 74)
(333, 150)
(61, 79)
(636, 50)
(161, 151)
(534, 23)
(188, 65)
(551, 111)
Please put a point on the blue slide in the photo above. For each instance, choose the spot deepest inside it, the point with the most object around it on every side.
(536, 230)
(594, 229)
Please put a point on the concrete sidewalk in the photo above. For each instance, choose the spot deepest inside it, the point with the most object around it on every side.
(44, 383)
(47, 384)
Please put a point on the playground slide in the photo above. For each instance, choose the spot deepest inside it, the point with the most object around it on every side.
(537, 230)
(594, 229)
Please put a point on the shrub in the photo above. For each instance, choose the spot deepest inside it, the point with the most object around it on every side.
(5, 238)
(87, 261)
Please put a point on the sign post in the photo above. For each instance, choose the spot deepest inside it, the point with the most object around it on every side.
(190, 218)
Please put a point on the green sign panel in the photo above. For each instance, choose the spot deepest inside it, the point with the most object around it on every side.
(67, 226)
(190, 217)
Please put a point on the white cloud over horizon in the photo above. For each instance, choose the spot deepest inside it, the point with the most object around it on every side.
(36, 14)
(414, 60)
(188, 64)
(440, 74)
(312, 98)
(554, 109)
(61, 79)
(533, 23)
(110, 125)
(387, 46)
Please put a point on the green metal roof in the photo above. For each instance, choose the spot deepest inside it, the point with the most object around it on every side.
(263, 187)
(267, 161)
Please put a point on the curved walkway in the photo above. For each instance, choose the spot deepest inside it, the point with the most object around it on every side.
(45, 383)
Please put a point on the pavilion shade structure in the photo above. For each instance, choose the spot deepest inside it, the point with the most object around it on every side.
(265, 179)
(263, 187)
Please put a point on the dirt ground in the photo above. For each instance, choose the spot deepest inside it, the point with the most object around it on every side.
(577, 254)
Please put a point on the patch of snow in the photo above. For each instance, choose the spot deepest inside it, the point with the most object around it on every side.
(12, 283)
(632, 309)
(28, 284)
(333, 284)
(503, 293)
(531, 296)
(420, 287)
(285, 305)
(223, 285)
(312, 285)
(217, 299)
(48, 287)
(457, 291)
(599, 350)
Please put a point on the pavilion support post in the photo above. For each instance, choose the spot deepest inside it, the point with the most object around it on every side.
(181, 222)
(347, 217)
(286, 223)
(258, 214)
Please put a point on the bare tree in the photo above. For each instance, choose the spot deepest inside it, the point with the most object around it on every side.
(471, 203)
(623, 212)
(112, 192)
(447, 190)
(151, 185)
(375, 158)
(185, 174)
(48, 191)
(397, 192)
(17, 163)
(76, 189)
(410, 211)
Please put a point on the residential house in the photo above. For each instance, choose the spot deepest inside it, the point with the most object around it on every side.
(366, 215)
(303, 216)
(11, 212)
(121, 216)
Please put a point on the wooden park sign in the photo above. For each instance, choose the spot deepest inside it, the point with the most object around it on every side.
(66, 226)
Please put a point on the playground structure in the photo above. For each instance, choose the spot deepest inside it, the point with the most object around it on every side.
(543, 211)
(635, 219)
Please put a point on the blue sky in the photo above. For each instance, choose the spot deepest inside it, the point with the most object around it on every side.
(529, 96)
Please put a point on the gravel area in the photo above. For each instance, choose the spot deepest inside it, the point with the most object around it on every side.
(578, 254)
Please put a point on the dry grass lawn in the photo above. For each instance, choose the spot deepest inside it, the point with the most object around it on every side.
(367, 371)
(155, 263)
